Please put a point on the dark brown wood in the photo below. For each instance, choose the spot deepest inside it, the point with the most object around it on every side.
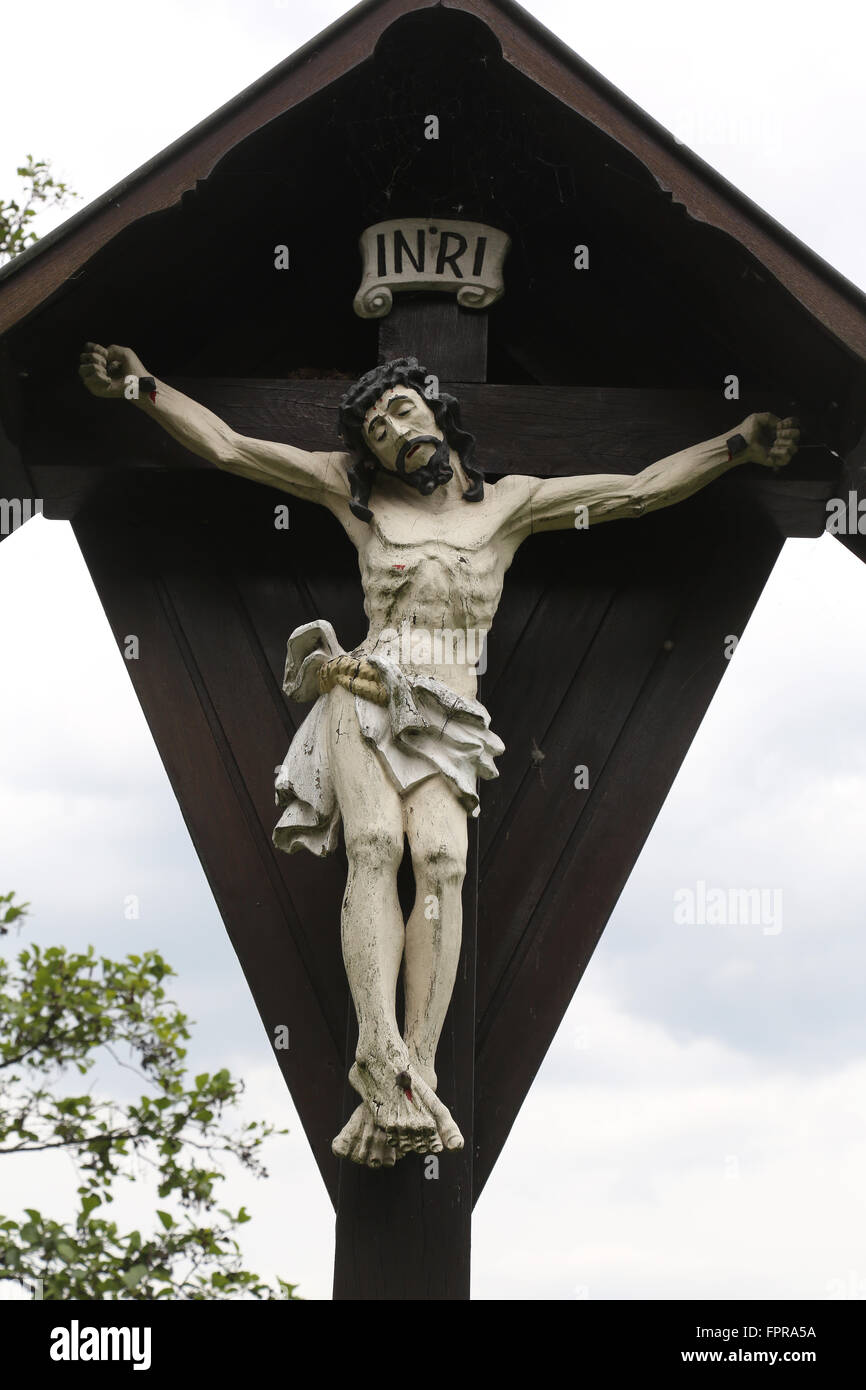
(15, 480)
(15, 484)
(852, 490)
(219, 720)
(541, 430)
(630, 712)
(162, 182)
(187, 558)
(530, 50)
(438, 332)
(704, 194)
(405, 1233)
(538, 430)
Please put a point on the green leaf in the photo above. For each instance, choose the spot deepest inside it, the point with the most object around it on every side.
(134, 1276)
(58, 1009)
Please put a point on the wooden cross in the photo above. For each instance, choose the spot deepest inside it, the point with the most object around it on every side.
(177, 552)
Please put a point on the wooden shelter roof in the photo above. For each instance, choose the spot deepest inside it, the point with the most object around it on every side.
(45, 269)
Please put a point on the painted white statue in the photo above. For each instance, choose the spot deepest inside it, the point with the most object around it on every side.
(396, 740)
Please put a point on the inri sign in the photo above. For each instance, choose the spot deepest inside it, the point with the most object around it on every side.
(418, 253)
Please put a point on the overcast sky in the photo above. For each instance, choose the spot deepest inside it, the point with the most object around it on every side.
(697, 1128)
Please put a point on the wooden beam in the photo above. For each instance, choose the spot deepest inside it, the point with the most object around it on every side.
(529, 49)
(543, 911)
(407, 1233)
(439, 333)
(163, 180)
(217, 717)
(539, 430)
(705, 195)
(852, 491)
(15, 480)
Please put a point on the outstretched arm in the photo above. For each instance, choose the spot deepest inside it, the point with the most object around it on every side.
(319, 477)
(553, 504)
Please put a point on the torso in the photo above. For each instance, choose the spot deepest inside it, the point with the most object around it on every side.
(432, 580)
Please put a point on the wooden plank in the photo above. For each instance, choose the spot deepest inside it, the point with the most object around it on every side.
(529, 49)
(400, 1233)
(248, 705)
(129, 562)
(530, 999)
(603, 673)
(447, 340)
(15, 481)
(706, 196)
(523, 707)
(536, 430)
(163, 180)
(852, 490)
(529, 428)
(405, 1233)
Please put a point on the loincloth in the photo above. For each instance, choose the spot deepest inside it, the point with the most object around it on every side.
(417, 725)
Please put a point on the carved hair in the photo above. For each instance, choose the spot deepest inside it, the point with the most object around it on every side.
(402, 371)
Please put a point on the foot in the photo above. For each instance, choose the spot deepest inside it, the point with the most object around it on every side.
(447, 1130)
(391, 1092)
(362, 1141)
(448, 1134)
(422, 1065)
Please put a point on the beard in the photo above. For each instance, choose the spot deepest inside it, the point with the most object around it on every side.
(432, 474)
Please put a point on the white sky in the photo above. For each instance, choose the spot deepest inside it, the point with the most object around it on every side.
(697, 1129)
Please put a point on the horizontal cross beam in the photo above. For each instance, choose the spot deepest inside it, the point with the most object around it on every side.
(76, 451)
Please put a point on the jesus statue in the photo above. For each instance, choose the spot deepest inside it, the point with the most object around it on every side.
(396, 740)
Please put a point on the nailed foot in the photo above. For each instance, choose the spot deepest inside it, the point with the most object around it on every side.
(400, 1114)
(392, 1094)
(362, 1141)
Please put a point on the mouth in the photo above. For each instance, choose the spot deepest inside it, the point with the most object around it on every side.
(410, 465)
(413, 458)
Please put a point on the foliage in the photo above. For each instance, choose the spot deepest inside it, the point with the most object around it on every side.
(59, 1010)
(40, 189)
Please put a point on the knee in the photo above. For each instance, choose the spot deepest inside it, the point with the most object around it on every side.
(375, 847)
(438, 866)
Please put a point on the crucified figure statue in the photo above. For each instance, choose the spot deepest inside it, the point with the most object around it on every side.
(396, 740)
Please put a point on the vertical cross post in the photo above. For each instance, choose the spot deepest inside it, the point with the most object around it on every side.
(405, 1232)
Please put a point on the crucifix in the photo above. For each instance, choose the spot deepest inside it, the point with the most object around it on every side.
(693, 316)
(397, 741)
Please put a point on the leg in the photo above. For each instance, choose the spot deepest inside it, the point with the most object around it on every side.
(437, 833)
(373, 940)
(372, 923)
